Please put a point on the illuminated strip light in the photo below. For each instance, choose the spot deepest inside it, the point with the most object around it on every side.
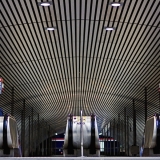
(116, 4)
(44, 4)
(50, 28)
(109, 28)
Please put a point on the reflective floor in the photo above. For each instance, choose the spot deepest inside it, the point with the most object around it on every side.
(81, 158)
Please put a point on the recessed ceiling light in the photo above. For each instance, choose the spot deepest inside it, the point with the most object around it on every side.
(109, 28)
(50, 28)
(115, 4)
(44, 4)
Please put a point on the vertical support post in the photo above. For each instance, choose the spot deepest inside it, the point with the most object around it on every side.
(159, 98)
(118, 132)
(122, 134)
(103, 135)
(125, 129)
(12, 102)
(114, 137)
(46, 141)
(38, 136)
(145, 104)
(22, 143)
(107, 140)
(103, 132)
(110, 140)
(35, 135)
(81, 135)
(23, 129)
(117, 140)
(29, 135)
(42, 138)
(32, 131)
(134, 124)
(49, 144)
(128, 135)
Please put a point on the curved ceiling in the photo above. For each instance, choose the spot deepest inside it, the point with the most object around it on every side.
(79, 65)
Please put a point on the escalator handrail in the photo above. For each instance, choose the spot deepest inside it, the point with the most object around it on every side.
(6, 149)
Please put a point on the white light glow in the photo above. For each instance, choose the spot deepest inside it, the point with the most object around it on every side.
(56, 134)
(45, 4)
(109, 28)
(115, 4)
(50, 29)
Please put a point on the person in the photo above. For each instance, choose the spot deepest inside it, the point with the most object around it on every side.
(1, 112)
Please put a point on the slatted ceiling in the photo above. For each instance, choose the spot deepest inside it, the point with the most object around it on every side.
(80, 62)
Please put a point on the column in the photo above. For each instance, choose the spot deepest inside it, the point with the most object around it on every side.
(12, 101)
(110, 141)
(22, 142)
(38, 145)
(128, 135)
(118, 133)
(117, 139)
(42, 138)
(145, 104)
(159, 99)
(134, 124)
(29, 135)
(107, 141)
(49, 144)
(114, 137)
(23, 129)
(122, 134)
(125, 129)
(32, 143)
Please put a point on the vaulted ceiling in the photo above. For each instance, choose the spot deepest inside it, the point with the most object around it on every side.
(80, 65)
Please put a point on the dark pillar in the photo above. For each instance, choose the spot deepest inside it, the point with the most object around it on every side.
(118, 133)
(122, 133)
(12, 102)
(125, 135)
(134, 124)
(22, 142)
(117, 139)
(50, 141)
(128, 135)
(32, 132)
(114, 126)
(35, 136)
(159, 99)
(23, 129)
(145, 104)
(46, 140)
(107, 141)
(110, 139)
(29, 136)
(38, 145)
(49, 144)
(42, 138)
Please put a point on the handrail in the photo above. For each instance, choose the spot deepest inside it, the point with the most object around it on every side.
(5, 142)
